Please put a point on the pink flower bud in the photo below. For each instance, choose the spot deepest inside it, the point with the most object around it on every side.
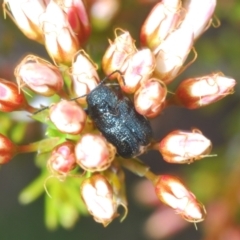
(11, 98)
(77, 18)
(26, 15)
(84, 76)
(118, 52)
(7, 149)
(184, 147)
(68, 117)
(164, 224)
(198, 92)
(171, 191)
(198, 15)
(98, 196)
(139, 68)
(161, 21)
(39, 75)
(60, 40)
(150, 98)
(62, 159)
(94, 153)
(172, 53)
(102, 12)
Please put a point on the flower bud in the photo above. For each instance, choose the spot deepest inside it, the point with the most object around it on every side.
(98, 159)
(162, 20)
(118, 52)
(194, 93)
(11, 99)
(7, 149)
(172, 53)
(171, 191)
(68, 117)
(150, 98)
(84, 76)
(116, 177)
(39, 75)
(162, 217)
(60, 40)
(98, 196)
(26, 15)
(102, 12)
(77, 18)
(184, 147)
(198, 15)
(139, 68)
(62, 159)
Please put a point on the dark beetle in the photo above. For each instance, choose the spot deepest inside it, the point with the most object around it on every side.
(116, 118)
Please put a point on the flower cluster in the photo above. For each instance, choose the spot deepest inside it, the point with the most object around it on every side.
(75, 151)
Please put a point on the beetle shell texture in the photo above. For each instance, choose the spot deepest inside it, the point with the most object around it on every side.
(116, 118)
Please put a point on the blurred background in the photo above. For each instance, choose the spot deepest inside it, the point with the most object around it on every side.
(215, 181)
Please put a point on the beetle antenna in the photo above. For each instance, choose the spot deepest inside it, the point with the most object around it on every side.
(73, 99)
(108, 76)
(103, 80)
(41, 109)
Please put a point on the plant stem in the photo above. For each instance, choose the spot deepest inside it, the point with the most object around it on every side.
(139, 168)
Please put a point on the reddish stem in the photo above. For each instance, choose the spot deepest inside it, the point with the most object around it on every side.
(30, 109)
(32, 147)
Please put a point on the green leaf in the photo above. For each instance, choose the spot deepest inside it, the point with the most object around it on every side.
(46, 145)
(18, 131)
(34, 190)
(51, 211)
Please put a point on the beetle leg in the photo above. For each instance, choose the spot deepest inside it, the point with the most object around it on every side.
(40, 110)
(108, 76)
(86, 110)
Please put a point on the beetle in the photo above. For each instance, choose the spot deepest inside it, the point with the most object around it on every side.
(115, 116)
